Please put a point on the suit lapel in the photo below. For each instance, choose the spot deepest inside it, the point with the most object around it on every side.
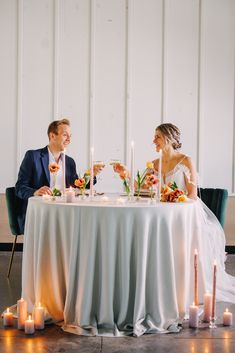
(45, 163)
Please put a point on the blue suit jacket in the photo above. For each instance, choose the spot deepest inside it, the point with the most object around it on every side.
(34, 174)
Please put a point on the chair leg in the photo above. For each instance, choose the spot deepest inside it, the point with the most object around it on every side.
(12, 255)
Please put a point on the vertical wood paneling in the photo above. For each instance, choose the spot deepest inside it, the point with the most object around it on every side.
(146, 77)
(217, 92)
(56, 58)
(74, 87)
(181, 68)
(19, 98)
(38, 67)
(109, 85)
(117, 69)
(8, 92)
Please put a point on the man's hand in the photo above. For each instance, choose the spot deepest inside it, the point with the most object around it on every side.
(44, 190)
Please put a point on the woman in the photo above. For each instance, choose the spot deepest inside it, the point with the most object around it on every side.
(179, 168)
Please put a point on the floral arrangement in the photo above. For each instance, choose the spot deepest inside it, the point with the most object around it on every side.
(54, 168)
(125, 176)
(82, 181)
(147, 179)
(171, 193)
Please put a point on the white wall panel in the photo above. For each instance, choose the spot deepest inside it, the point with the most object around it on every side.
(73, 74)
(109, 83)
(8, 90)
(37, 72)
(117, 68)
(145, 65)
(181, 69)
(217, 94)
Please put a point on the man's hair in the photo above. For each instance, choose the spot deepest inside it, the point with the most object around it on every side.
(53, 127)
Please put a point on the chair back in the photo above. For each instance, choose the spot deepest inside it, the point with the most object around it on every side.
(14, 209)
(216, 200)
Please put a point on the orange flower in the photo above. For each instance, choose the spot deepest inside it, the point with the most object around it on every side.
(151, 180)
(124, 174)
(53, 167)
(80, 182)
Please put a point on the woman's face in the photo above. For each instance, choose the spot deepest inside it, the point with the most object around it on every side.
(159, 140)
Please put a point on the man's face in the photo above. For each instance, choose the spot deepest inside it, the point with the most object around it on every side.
(62, 139)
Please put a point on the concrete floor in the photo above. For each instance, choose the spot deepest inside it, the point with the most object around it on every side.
(53, 339)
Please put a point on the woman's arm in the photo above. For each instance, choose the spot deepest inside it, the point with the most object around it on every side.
(191, 178)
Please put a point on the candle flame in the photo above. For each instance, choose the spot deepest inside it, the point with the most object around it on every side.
(7, 310)
(70, 188)
(29, 318)
(195, 252)
(226, 310)
(39, 305)
(215, 263)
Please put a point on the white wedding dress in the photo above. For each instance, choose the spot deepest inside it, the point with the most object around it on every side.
(212, 247)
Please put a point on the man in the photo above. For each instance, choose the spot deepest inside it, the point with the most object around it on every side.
(34, 178)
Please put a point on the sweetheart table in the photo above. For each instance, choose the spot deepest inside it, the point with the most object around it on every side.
(111, 268)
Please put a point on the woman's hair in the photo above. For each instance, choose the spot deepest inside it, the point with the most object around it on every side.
(171, 133)
(53, 127)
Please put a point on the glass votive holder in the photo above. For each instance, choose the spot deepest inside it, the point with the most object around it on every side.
(212, 322)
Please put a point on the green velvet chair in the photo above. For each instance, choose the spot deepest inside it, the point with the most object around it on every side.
(14, 210)
(216, 200)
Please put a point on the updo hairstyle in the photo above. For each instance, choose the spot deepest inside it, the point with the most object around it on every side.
(171, 133)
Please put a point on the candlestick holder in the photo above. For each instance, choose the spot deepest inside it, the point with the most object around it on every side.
(212, 322)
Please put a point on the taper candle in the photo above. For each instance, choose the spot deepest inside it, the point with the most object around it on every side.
(195, 277)
(91, 172)
(214, 292)
(132, 168)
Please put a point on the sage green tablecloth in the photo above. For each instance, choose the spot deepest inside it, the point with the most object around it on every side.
(111, 269)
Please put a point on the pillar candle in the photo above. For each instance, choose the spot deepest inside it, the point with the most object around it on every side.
(92, 172)
(227, 318)
(70, 195)
(132, 168)
(29, 326)
(195, 277)
(207, 307)
(21, 313)
(39, 317)
(7, 318)
(193, 316)
(160, 174)
(214, 292)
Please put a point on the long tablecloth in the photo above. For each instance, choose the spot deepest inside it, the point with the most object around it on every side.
(111, 269)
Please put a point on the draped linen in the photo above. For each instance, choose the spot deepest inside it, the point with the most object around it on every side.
(112, 269)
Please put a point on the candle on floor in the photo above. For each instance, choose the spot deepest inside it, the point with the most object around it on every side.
(7, 318)
(207, 307)
(195, 277)
(29, 326)
(21, 313)
(227, 318)
(193, 316)
(70, 195)
(39, 317)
